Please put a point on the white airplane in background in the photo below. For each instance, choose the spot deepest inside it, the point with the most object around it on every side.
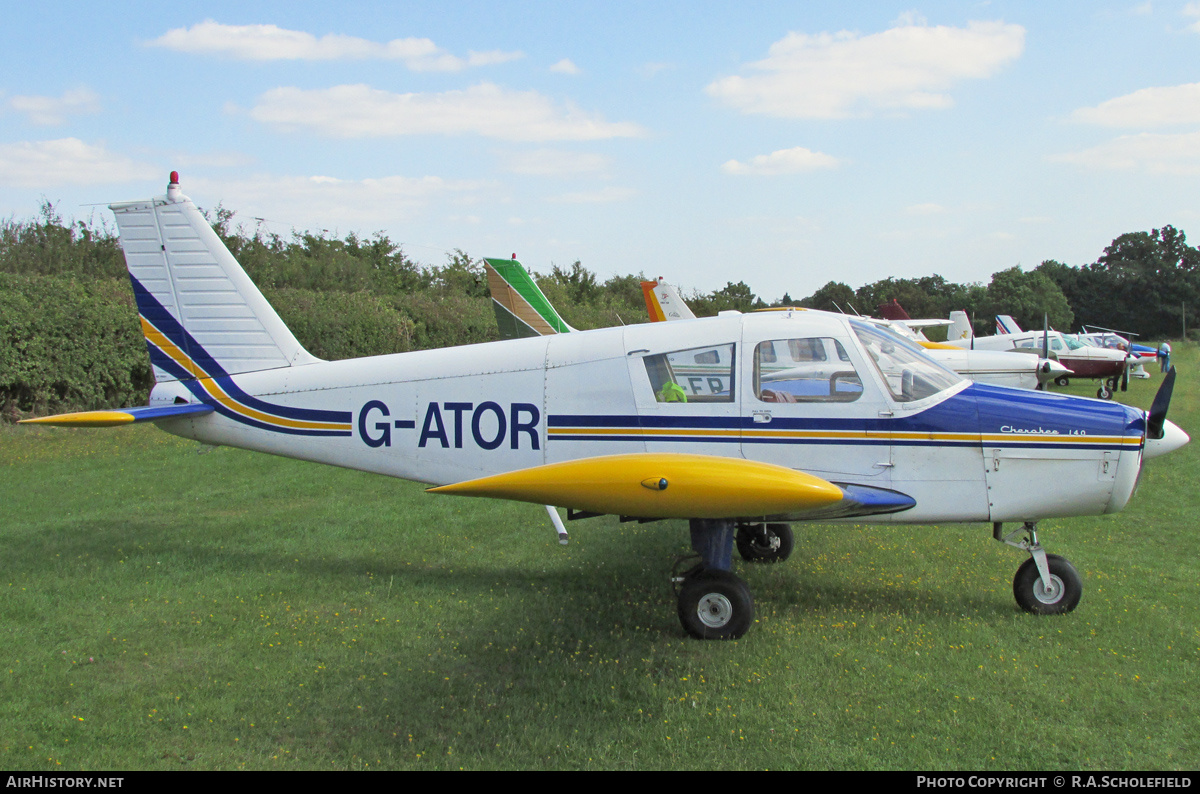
(1001, 369)
(577, 420)
(1084, 361)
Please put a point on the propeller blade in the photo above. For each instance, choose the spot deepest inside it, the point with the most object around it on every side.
(1158, 409)
(1125, 375)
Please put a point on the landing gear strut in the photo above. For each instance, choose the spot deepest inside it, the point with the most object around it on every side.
(1045, 584)
(714, 603)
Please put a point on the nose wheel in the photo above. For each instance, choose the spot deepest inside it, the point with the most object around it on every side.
(1045, 584)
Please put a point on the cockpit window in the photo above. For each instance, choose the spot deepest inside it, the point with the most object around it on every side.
(910, 375)
(697, 375)
(814, 369)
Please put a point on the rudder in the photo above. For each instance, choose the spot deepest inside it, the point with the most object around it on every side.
(201, 314)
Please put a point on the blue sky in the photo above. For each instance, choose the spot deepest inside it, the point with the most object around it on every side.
(783, 144)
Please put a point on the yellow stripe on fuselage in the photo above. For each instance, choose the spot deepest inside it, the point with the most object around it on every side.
(214, 390)
(985, 439)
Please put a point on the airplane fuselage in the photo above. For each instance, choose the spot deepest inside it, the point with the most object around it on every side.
(963, 451)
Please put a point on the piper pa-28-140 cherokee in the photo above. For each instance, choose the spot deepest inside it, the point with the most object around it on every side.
(597, 422)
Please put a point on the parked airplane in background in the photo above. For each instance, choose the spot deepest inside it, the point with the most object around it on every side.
(1001, 369)
(1139, 355)
(1084, 361)
(591, 421)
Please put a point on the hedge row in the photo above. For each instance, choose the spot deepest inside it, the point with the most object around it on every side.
(68, 344)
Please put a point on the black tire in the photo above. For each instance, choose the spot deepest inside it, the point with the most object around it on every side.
(715, 605)
(765, 543)
(1032, 596)
(1062, 380)
(1104, 393)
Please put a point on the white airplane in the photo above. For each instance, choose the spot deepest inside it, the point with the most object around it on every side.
(986, 366)
(576, 420)
(1083, 361)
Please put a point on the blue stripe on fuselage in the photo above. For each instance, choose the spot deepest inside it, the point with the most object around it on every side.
(1022, 417)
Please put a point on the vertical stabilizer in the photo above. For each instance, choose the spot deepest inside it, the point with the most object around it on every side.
(960, 327)
(663, 302)
(201, 314)
(521, 308)
(1005, 324)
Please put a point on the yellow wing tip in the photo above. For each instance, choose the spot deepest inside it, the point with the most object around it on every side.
(82, 419)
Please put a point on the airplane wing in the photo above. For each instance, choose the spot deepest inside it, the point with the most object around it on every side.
(676, 485)
(932, 323)
(521, 308)
(121, 416)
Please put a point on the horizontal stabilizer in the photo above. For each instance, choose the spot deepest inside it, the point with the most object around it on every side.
(120, 416)
(663, 485)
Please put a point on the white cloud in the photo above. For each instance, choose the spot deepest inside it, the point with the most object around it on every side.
(1149, 107)
(1192, 10)
(1148, 152)
(67, 161)
(316, 202)
(830, 76)
(602, 196)
(273, 43)
(565, 66)
(925, 209)
(359, 111)
(785, 161)
(651, 69)
(553, 162)
(52, 111)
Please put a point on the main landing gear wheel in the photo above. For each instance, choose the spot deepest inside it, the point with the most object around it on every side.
(1059, 598)
(1104, 392)
(1062, 380)
(765, 542)
(715, 605)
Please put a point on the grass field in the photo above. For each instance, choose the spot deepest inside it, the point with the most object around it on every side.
(171, 606)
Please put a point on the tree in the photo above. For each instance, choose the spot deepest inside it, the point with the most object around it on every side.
(833, 297)
(737, 296)
(1155, 273)
(579, 282)
(1029, 298)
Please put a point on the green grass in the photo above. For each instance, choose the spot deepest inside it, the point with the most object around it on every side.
(169, 608)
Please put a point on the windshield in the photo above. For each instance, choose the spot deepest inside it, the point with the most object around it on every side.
(909, 373)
